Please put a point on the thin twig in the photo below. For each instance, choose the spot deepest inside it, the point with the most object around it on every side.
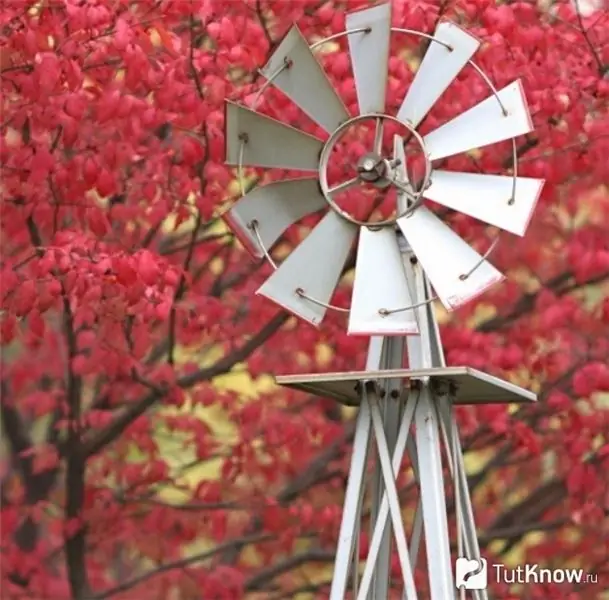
(180, 564)
(602, 69)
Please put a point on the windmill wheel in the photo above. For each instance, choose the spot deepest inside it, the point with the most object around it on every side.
(381, 305)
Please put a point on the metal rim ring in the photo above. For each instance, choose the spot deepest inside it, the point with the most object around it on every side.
(324, 159)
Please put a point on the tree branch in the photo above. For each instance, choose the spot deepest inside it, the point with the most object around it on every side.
(37, 485)
(602, 69)
(257, 581)
(101, 438)
(191, 61)
(179, 564)
(181, 289)
(307, 479)
(75, 541)
(264, 24)
(527, 302)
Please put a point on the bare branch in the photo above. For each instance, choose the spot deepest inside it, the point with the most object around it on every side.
(263, 577)
(193, 70)
(180, 564)
(75, 541)
(602, 69)
(263, 23)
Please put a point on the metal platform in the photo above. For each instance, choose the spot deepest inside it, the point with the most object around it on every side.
(469, 386)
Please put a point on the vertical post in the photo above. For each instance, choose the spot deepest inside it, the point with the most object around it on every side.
(427, 425)
(349, 527)
(393, 359)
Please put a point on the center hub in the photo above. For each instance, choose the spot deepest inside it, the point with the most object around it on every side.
(362, 160)
(372, 168)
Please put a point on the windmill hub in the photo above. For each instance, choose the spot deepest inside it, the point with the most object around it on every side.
(373, 168)
(377, 167)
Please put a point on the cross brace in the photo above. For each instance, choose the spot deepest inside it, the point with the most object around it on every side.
(408, 411)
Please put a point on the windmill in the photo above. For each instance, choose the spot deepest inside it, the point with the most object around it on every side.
(399, 261)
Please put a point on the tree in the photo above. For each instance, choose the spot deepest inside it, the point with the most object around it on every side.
(132, 468)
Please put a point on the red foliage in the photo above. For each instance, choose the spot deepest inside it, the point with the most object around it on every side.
(120, 292)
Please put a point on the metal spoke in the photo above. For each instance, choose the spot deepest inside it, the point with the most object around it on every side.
(378, 138)
(345, 185)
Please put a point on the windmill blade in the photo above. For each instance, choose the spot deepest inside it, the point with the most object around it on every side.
(486, 197)
(380, 283)
(315, 267)
(439, 68)
(268, 142)
(482, 125)
(273, 208)
(370, 55)
(445, 257)
(303, 81)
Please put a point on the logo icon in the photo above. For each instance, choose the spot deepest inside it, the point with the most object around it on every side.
(471, 573)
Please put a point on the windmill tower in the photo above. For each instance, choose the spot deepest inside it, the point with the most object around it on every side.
(403, 264)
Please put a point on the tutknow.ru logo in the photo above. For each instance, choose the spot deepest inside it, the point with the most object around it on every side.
(472, 574)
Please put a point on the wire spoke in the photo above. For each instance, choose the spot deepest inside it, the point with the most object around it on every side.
(345, 185)
(378, 137)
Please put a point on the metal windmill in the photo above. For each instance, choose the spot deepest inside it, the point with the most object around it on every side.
(398, 262)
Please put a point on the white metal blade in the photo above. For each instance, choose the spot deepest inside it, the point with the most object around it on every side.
(304, 81)
(380, 282)
(273, 208)
(486, 197)
(482, 124)
(268, 142)
(445, 257)
(370, 55)
(437, 71)
(314, 267)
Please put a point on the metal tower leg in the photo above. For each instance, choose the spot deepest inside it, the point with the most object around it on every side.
(393, 358)
(349, 528)
(383, 512)
(395, 402)
(433, 499)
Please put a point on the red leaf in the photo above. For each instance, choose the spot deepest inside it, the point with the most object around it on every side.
(36, 323)
(147, 268)
(8, 329)
(165, 37)
(75, 106)
(98, 223)
(90, 171)
(106, 183)
(48, 70)
(25, 298)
